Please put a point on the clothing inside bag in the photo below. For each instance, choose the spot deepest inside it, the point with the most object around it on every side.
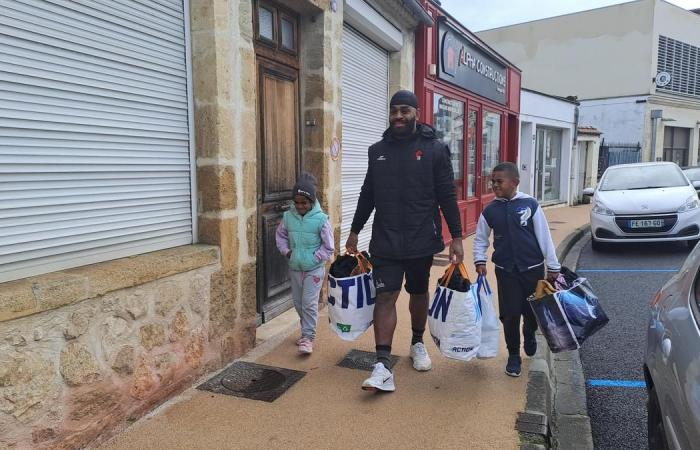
(349, 265)
(455, 278)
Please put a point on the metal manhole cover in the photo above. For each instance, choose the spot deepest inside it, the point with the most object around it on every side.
(253, 381)
(358, 359)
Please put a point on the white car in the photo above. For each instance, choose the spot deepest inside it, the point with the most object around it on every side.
(645, 202)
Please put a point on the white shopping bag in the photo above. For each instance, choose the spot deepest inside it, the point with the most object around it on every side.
(490, 325)
(351, 303)
(454, 319)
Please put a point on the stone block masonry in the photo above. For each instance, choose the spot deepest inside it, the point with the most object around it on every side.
(71, 373)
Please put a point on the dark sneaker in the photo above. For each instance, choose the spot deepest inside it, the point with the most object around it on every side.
(513, 366)
(530, 346)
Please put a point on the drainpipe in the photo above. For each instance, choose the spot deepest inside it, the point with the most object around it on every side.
(656, 114)
(418, 11)
(574, 158)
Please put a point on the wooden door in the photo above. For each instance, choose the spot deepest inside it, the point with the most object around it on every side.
(279, 152)
(278, 169)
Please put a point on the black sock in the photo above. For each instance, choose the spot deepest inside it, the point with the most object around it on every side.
(384, 355)
(417, 336)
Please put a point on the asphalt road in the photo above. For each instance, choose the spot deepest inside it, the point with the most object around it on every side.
(625, 279)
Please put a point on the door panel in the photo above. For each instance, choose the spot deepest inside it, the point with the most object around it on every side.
(280, 133)
(279, 163)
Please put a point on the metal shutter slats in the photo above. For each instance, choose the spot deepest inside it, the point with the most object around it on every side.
(107, 14)
(11, 91)
(56, 15)
(73, 29)
(94, 133)
(90, 256)
(78, 44)
(365, 88)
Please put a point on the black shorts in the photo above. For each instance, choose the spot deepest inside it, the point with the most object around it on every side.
(388, 274)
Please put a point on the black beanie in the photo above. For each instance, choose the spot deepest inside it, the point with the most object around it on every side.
(404, 97)
(306, 186)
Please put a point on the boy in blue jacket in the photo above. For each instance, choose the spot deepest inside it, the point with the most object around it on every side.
(523, 248)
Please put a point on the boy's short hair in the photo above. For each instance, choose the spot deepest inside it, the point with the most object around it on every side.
(508, 168)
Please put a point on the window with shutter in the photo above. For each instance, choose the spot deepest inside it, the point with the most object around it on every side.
(95, 140)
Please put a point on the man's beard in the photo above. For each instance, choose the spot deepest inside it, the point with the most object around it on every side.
(405, 131)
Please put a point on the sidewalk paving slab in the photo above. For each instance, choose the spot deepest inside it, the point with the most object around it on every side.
(455, 405)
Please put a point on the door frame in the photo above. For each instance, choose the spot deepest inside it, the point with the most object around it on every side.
(281, 68)
(539, 162)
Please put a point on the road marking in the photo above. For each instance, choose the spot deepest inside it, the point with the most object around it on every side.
(626, 270)
(617, 383)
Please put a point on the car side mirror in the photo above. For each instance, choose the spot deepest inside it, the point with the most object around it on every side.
(696, 184)
(588, 192)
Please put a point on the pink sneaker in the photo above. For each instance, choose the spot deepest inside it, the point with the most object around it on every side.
(306, 346)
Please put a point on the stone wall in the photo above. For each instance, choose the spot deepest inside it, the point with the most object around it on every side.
(71, 373)
(223, 63)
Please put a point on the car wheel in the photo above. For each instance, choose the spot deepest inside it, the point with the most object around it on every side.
(597, 246)
(655, 423)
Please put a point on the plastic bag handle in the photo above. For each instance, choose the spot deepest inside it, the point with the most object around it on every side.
(451, 270)
(483, 283)
(364, 264)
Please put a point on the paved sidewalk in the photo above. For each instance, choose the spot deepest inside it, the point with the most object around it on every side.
(455, 405)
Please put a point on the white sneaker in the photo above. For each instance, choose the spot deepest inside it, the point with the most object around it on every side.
(419, 355)
(381, 380)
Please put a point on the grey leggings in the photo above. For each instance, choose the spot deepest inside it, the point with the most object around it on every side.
(306, 287)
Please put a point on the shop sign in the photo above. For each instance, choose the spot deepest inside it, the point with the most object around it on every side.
(466, 65)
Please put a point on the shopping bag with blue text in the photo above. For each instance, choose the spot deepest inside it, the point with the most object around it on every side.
(454, 316)
(351, 301)
(490, 325)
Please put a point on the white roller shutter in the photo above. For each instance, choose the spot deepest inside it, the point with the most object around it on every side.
(365, 117)
(95, 156)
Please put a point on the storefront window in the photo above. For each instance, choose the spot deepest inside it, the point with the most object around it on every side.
(471, 153)
(491, 136)
(448, 120)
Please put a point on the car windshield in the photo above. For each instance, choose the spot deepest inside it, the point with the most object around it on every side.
(693, 174)
(643, 177)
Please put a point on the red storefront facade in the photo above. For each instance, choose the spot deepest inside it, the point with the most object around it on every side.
(471, 95)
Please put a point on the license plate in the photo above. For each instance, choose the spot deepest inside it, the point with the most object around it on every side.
(647, 223)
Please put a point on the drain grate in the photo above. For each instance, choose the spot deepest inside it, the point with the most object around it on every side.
(361, 360)
(253, 381)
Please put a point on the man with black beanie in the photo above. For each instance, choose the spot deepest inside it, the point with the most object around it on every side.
(409, 180)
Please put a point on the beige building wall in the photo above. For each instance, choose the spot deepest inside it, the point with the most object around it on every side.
(85, 351)
(573, 54)
(676, 23)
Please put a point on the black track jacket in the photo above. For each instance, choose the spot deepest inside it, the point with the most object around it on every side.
(406, 181)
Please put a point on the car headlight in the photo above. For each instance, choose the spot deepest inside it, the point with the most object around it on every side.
(691, 203)
(600, 209)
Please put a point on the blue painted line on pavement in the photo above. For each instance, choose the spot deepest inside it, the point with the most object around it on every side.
(626, 270)
(617, 383)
